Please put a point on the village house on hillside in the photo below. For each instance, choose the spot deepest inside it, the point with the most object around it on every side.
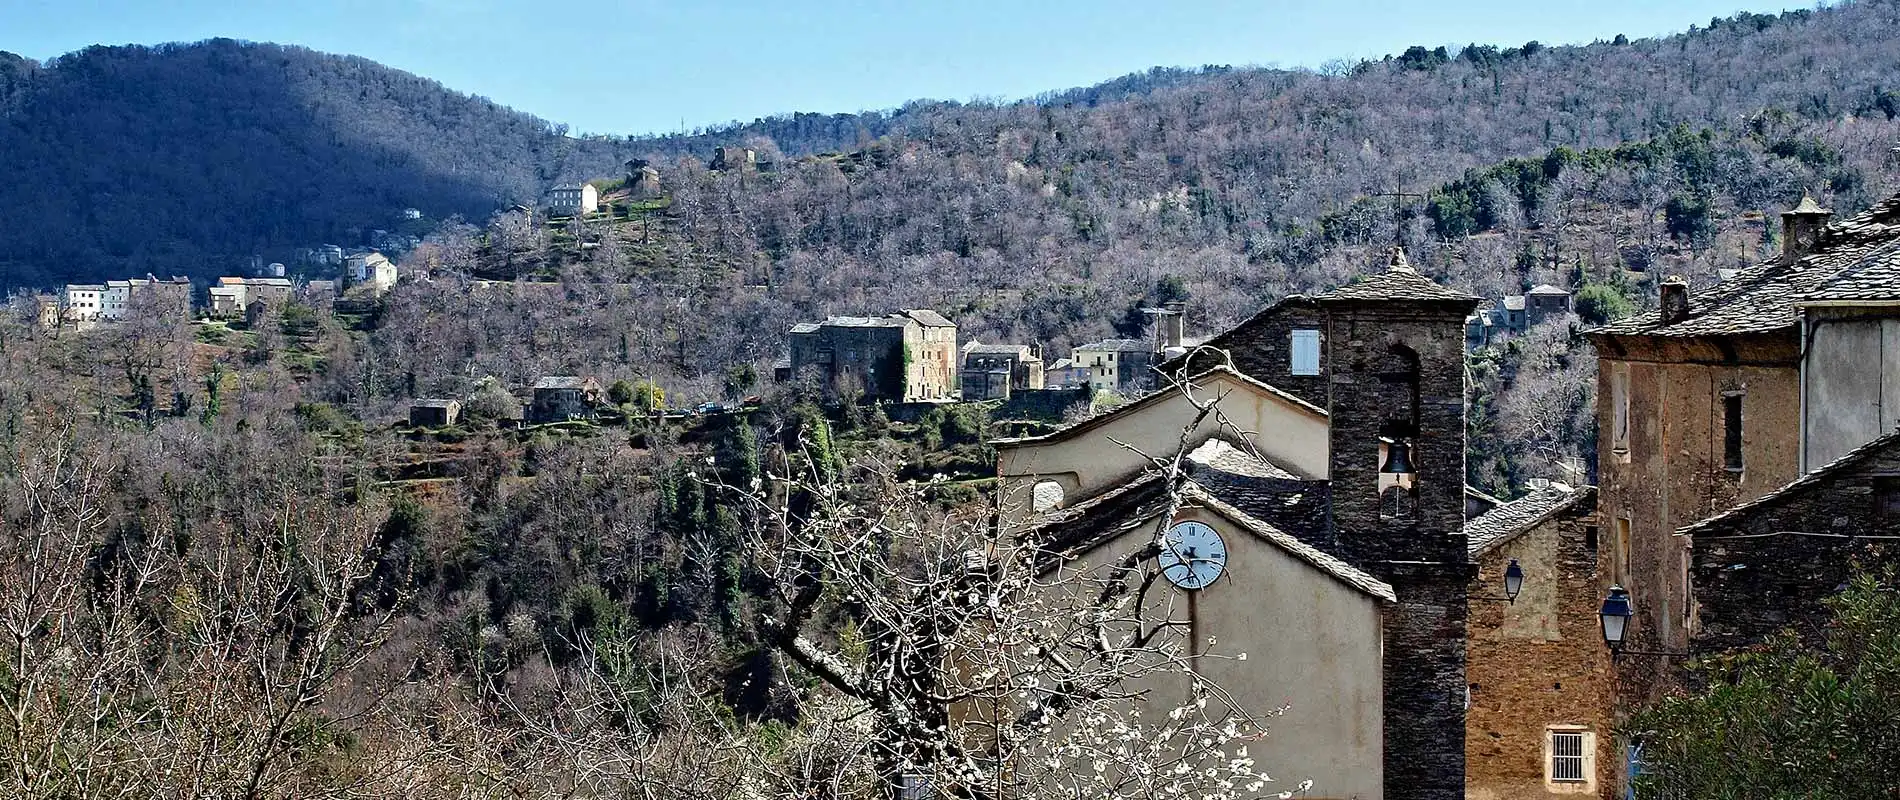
(1124, 366)
(995, 371)
(560, 398)
(84, 305)
(573, 200)
(371, 269)
(903, 357)
(1517, 313)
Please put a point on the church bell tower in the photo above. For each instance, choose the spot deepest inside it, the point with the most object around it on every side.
(1395, 370)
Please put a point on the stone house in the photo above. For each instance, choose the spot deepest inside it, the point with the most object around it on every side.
(1065, 374)
(1768, 564)
(1539, 721)
(1544, 302)
(271, 292)
(434, 413)
(994, 371)
(229, 297)
(1725, 395)
(562, 398)
(903, 357)
(160, 298)
(1342, 503)
(572, 200)
(46, 311)
(1123, 366)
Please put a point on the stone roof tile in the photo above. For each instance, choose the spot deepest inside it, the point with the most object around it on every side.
(1762, 298)
(1398, 282)
(1506, 522)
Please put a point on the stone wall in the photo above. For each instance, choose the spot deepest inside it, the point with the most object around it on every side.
(1672, 473)
(1772, 566)
(1536, 663)
(1261, 348)
(1397, 369)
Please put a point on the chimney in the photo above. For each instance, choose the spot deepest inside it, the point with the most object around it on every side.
(1174, 322)
(1801, 229)
(1675, 300)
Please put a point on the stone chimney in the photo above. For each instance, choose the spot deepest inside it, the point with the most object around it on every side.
(1801, 229)
(1173, 323)
(1675, 300)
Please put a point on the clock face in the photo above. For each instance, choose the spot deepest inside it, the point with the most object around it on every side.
(1192, 555)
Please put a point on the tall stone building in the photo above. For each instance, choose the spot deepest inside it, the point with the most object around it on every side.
(1540, 721)
(903, 357)
(1724, 395)
(1352, 476)
(1745, 455)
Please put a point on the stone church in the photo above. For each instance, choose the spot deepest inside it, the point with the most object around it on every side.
(1331, 472)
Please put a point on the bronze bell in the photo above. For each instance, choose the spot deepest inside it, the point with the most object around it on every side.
(1398, 458)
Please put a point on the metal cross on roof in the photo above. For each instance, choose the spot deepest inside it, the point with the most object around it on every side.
(1398, 196)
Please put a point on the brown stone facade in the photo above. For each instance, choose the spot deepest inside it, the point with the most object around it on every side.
(1664, 463)
(1539, 664)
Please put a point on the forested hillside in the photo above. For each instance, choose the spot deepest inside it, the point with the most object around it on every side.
(187, 159)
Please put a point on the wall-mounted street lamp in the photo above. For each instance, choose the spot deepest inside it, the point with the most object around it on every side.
(1513, 584)
(1615, 617)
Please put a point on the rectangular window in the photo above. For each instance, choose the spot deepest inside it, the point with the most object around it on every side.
(1887, 498)
(1305, 350)
(1732, 431)
(1567, 757)
(1621, 574)
(1620, 405)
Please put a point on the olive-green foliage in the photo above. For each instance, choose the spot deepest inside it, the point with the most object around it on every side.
(620, 393)
(1600, 303)
(1787, 720)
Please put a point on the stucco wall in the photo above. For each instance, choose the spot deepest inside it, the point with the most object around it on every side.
(1089, 460)
(1852, 383)
(1313, 644)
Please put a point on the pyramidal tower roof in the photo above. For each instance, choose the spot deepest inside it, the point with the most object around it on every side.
(1399, 282)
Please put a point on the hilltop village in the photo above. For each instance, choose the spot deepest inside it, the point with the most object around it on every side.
(1498, 423)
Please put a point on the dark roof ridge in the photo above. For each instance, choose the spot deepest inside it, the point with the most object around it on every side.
(1494, 528)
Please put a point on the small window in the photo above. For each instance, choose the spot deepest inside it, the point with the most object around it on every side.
(1887, 498)
(1567, 757)
(1305, 352)
(1622, 572)
(1045, 496)
(1732, 432)
(1620, 405)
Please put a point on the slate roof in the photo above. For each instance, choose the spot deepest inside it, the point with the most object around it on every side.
(929, 318)
(433, 403)
(1852, 458)
(1875, 276)
(561, 382)
(805, 327)
(866, 322)
(1265, 490)
(1506, 522)
(1762, 298)
(1545, 288)
(1118, 346)
(1514, 302)
(1398, 282)
(1139, 504)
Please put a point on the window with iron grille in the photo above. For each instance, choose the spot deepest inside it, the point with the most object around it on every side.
(1566, 756)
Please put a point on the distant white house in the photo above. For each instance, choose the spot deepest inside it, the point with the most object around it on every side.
(582, 199)
(371, 269)
(82, 303)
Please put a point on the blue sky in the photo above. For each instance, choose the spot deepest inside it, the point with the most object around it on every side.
(638, 66)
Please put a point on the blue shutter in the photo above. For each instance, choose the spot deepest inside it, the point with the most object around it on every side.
(1305, 352)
